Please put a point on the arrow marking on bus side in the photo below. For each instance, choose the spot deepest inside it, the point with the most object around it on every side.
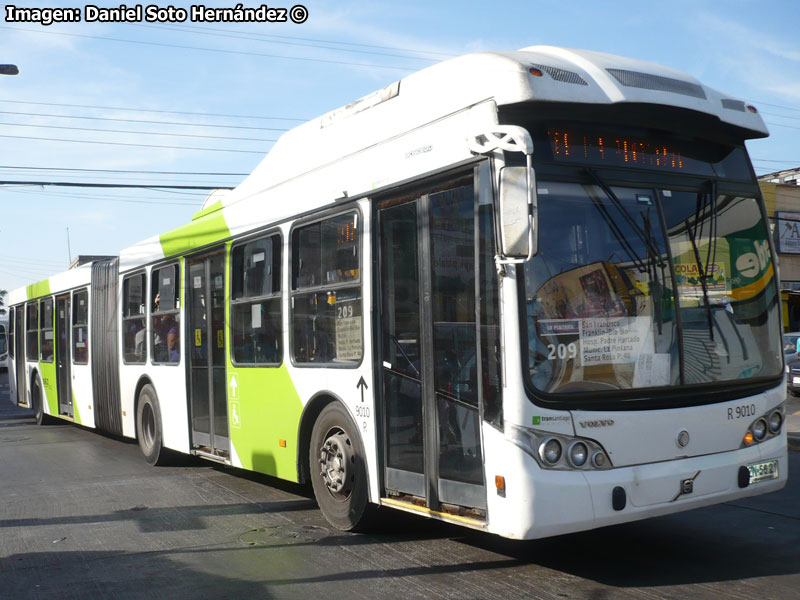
(362, 384)
(234, 387)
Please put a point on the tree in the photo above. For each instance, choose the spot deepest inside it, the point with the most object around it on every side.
(3, 295)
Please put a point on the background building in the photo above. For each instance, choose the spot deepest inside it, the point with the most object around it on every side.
(781, 191)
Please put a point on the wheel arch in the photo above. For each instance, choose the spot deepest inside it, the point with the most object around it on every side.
(35, 378)
(143, 381)
(309, 416)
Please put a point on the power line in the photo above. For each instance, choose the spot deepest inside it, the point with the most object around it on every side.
(186, 202)
(86, 177)
(253, 37)
(288, 37)
(776, 105)
(106, 198)
(152, 110)
(202, 49)
(191, 135)
(150, 122)
(23, 137)
(120, 177)
(775, 161)
(19, 259)
(772, 114)
(122, 171)
(781, 125)
(116, 185)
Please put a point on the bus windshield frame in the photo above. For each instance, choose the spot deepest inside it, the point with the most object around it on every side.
(681, 244)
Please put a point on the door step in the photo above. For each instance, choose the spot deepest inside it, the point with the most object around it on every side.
(435, 514)
(223, 460)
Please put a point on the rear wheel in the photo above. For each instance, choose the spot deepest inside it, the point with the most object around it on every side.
(339, 470)
(38, 405)
(148, 426)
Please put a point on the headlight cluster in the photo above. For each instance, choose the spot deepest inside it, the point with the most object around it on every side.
(765, 427)
(562, 452)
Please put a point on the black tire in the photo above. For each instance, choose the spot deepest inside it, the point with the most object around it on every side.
(148, 426)
(38, 406)
(339, 471)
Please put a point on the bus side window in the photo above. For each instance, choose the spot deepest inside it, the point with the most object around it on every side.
(80, 332)
(166, 314)
(326, 292)
(256, 317)
(46, 341)
(11, 320)
(32, 331)
(134, 319)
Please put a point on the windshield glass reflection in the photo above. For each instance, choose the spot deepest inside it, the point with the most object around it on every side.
(637, 288)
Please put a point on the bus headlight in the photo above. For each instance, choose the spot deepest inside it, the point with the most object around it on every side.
(599, 460)
(764, 427)
(557, 451)
(550, 450)
(775, 421)
(759, 429)
(578, 453)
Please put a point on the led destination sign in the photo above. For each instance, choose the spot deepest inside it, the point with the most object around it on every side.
(622, 149)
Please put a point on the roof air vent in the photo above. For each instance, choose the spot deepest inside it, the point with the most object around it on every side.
(647, 81)
(733, 104)
(562, 75)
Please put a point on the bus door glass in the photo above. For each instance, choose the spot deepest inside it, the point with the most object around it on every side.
(206, 353)
(63, 373)
(19, 353)
(429, 353)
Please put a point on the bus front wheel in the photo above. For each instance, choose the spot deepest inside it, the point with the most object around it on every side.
(339, 470)
(148, 426)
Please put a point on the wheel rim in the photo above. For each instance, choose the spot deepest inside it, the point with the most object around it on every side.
(148, 425)
(337, 463)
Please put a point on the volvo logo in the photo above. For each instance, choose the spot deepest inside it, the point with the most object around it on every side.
(598, 423)
(683, 438)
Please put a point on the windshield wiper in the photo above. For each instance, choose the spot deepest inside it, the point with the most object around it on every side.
(648, 242)
(712, 246)
(655, 261)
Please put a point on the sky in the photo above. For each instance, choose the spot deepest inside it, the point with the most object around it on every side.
(200, 103)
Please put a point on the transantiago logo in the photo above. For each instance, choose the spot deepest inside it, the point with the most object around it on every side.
(598, 423)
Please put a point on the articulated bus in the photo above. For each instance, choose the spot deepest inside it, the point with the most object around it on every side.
(528, 292)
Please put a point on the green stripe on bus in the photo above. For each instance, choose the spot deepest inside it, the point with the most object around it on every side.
(76, 414)
(196, 234)
(207, 210)
(50, 382)
(263, 409)
(40, 288)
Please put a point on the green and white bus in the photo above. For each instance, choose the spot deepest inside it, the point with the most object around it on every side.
(529, 292)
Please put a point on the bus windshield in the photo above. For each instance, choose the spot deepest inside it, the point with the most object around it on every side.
(639, 287)
(2, 339)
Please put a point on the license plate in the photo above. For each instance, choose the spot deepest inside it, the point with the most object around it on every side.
(795, 380)
(763, 471)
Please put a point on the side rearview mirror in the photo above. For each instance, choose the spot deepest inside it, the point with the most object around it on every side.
(518, 209)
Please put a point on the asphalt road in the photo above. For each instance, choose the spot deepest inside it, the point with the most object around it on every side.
(82, 516)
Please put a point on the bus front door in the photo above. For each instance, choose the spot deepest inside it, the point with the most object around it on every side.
(429, 352)
(63, 373)
(19, 354)
(206, 352)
